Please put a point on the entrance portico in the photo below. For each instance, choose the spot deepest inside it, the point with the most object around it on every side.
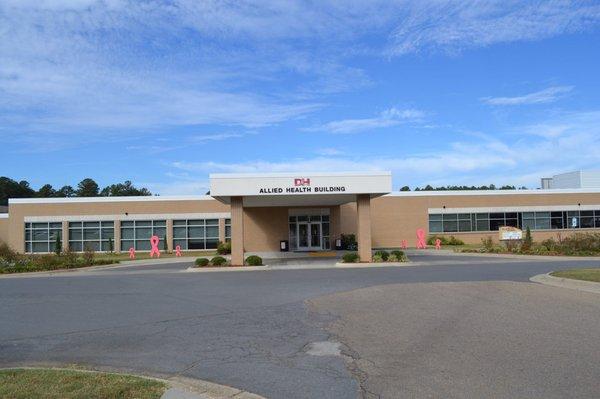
(302, 208)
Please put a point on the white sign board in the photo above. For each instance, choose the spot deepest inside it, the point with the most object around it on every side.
(285, 184)
(508, 233)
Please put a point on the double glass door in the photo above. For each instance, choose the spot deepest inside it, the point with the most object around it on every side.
(309, 236)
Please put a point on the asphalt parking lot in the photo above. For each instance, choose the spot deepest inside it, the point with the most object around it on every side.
(456, 327)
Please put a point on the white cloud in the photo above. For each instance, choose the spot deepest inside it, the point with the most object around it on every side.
(548, 95)
(387, 118)
(328, 151)
(520, 161)
(451, 26)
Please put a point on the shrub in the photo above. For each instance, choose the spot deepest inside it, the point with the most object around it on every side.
(350, 257)
(224, 248)
(445, 240)
(7, 253)
(398, 254)
(431, 240)
(488, 243)
(393, 258)
(527, 241)
(201, 262)
(88, 256)
(69, 258)
(218, 261)
(57, 245)
(384, 255)
(254, 260)
(455, 241)
(349, 242)
(377, 258)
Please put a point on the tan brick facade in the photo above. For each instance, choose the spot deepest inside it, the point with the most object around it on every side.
(393, 218)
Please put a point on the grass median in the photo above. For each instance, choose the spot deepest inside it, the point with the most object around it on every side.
(579, 274)
(70, 384)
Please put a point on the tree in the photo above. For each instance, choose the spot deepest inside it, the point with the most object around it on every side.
(57, 245)
(46, 191)
(405, 188)
(125, 189)
(65, 191)
(87, 188)
(9, 188)
(527, 241)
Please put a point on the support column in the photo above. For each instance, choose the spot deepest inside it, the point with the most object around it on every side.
(117, 240)
(237, 231)
(222, 230)
(170, 247)
(65, 236)
(363, 210)
(335, 224)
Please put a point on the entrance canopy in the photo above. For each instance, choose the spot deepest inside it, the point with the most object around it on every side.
(298, 189)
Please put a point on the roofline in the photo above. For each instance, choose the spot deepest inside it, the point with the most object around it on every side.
(14, 201)
(441, 193)
(296, 174)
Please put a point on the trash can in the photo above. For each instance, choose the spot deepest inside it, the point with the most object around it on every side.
(338, 244)
(284, 245)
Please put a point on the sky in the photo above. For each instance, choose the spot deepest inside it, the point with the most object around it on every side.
(165, 93)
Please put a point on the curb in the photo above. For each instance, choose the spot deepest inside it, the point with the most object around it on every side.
(531, 257)
(177, 387)
(193, 269)
(580, 285)
(358, 265)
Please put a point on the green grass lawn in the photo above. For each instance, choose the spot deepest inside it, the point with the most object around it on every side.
(70, 384)
(579, 274)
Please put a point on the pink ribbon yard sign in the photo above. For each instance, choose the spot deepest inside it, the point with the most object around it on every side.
(178, 250)
(132, 253)
(154, 240)
(438, 243)
(404, 244)
(421, 244)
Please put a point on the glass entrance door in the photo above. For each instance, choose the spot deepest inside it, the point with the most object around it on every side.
(309, 236)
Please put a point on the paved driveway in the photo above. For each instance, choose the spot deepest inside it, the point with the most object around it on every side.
(253, 330)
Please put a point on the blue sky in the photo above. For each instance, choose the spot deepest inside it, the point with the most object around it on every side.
(164, 93)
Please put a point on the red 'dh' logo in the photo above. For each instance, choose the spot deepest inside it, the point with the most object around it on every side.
(301, 182)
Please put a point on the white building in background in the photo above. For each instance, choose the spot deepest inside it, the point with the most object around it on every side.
(577, 179)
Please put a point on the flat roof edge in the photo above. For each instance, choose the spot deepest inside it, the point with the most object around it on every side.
(432, 193)
(16, 201)
(295, 174)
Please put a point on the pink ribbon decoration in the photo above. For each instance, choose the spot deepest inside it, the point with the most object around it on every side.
(178, 250)
(438, 243)
(132, 253)
(404, 244)
(421, 239)
(154, 240)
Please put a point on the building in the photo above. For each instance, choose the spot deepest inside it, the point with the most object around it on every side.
(577, 179)
(309, 210)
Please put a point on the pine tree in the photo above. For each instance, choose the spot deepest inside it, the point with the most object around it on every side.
(58, 245)
(527, 241)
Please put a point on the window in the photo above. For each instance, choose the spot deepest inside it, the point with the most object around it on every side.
(435, 223)
(450, 222)
(41, 236)
(137, 233)
(227, 230)
(192, 234)
(91, 235)
(543, 220)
